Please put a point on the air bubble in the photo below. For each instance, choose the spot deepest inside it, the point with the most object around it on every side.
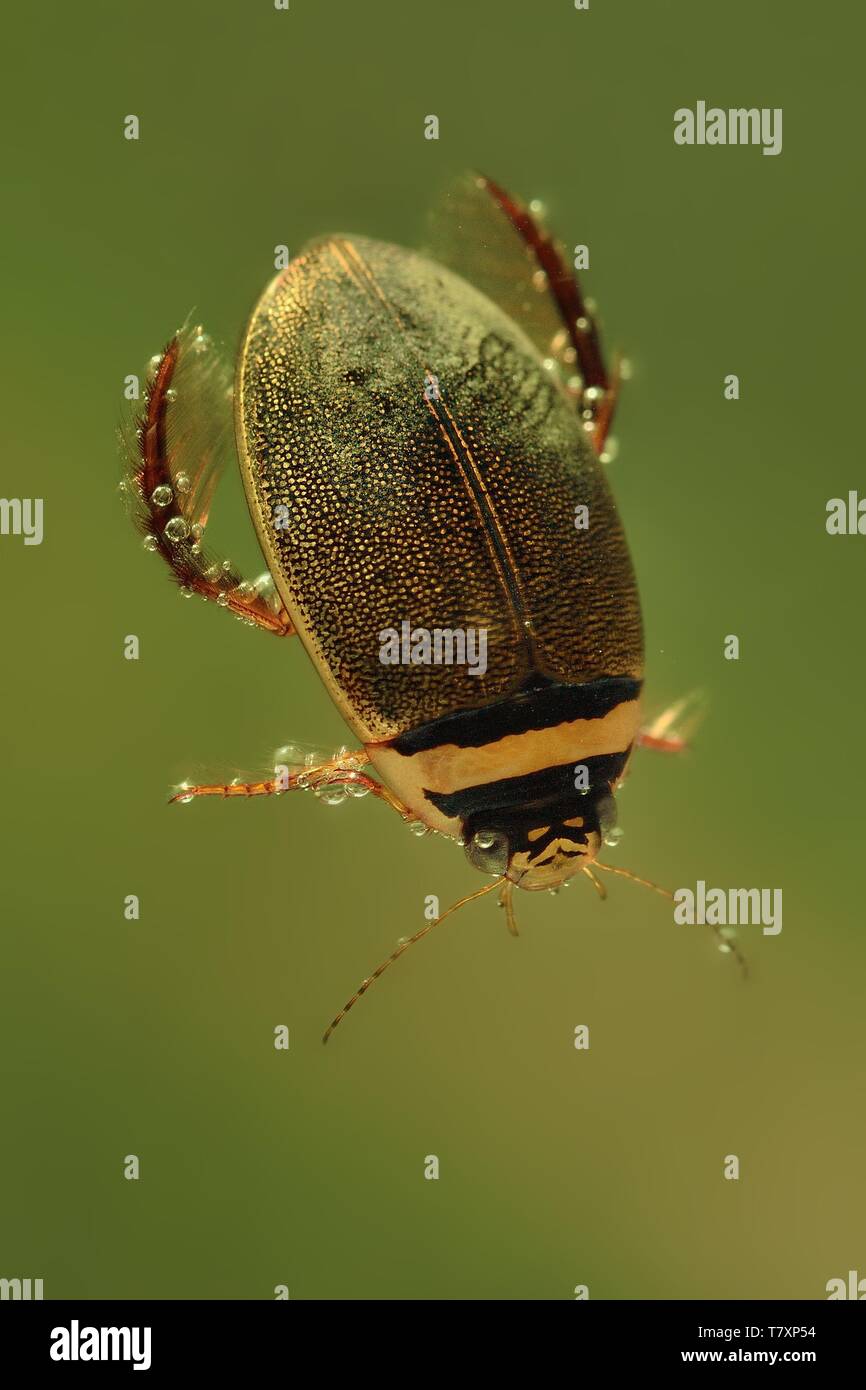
(289, 755)
(331, 794)
(186, 590)
(153, 364)
(222, 600)
(201, 342)
(182, 483)
(357, 789)
(183, 793)
(171, 394)
(150, 543)
(176, 530)
(613, 837)
(162, 495)
(610, 450)
(537, 208)
(582, 324)
(417, 827)
(484, 839)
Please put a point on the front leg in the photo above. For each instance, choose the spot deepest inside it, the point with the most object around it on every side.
(343, 770)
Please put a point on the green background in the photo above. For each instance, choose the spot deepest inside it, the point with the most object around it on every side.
(155, 1037)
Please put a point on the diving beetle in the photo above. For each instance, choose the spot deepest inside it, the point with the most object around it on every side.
(423, 437)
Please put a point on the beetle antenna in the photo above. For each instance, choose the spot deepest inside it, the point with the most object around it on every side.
(404, 946)
(635, 878)
(724, 944)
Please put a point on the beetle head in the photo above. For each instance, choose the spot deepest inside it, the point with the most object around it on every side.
(540, 846)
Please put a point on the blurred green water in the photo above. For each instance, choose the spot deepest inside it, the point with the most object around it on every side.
(155, 1038)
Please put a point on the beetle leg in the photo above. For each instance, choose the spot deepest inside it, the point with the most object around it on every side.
(343, 770)
(672, 730)
(175, 463)
(498, 244)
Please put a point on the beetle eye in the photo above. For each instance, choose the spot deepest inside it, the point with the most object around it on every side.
(487, 850)
(607, 814)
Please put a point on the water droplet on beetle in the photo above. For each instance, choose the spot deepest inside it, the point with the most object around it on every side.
(176, 530)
